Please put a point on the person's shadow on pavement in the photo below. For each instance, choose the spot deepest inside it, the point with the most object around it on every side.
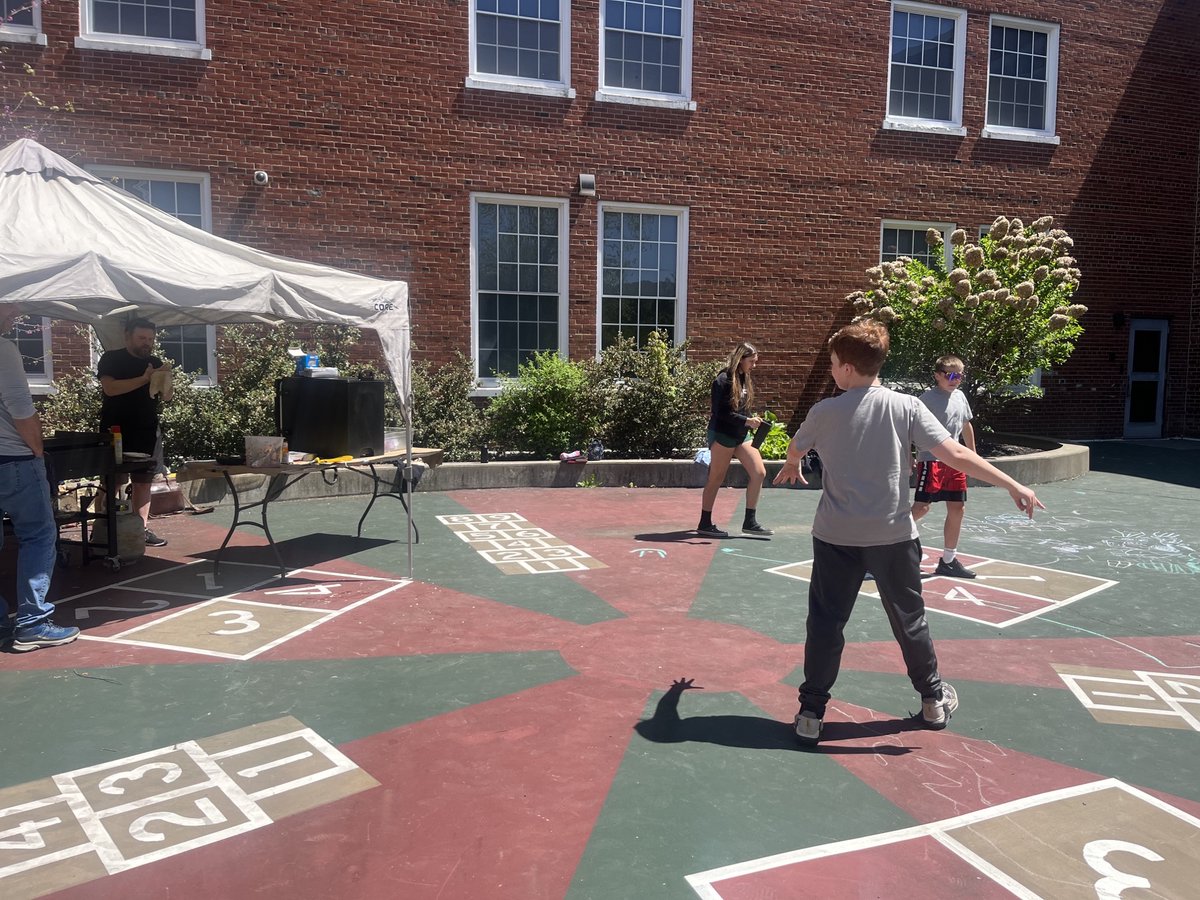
(756, 732)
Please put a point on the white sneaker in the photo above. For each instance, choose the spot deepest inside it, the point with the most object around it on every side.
(936, 713)
(808, 727)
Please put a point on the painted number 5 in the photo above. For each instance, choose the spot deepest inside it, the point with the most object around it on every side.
(1115, 881)
(242, 618)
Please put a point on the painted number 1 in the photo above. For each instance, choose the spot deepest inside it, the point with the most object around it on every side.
(1115, 881)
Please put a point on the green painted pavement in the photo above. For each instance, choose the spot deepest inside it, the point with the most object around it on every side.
(1047, 723)
(441, 557)
(723, 785)
(106, 714)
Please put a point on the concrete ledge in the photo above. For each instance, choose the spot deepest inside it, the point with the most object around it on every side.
(1058, 462)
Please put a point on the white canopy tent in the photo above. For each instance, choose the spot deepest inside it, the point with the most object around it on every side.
(75, 247)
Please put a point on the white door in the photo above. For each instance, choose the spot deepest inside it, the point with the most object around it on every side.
(1147, 377)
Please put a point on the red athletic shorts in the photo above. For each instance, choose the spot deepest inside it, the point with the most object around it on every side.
(937, 481)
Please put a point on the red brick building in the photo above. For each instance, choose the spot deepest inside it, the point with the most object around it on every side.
(545, 173)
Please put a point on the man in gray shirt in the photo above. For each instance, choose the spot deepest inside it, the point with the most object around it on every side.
(864, 523)
(25, 497)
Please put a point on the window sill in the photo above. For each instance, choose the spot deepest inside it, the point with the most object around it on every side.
(548, 89)
(39, 387)
(666, 101)
(118, 44)
(1030, 137)
(924, 127)
(487, 387)
(22, 37)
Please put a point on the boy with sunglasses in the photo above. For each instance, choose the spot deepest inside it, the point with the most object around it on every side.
(936, 481)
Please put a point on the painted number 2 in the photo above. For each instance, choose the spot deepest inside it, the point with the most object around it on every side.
(243, 619)
(139, 829)
(1115, 881)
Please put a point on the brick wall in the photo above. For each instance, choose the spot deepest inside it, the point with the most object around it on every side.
(359, 113)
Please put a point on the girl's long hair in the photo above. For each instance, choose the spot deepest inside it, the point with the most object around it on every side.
(736, 383)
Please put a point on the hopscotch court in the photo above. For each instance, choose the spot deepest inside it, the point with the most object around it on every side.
(248, 613)
(1003, 593)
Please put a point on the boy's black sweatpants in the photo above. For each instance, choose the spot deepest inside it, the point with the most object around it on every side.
(837, 576)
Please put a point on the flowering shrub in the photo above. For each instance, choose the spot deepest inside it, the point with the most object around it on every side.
(1004, 308)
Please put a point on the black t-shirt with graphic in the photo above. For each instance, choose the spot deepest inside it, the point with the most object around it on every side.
(136, 411)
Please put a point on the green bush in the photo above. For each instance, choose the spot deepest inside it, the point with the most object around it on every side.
(656, 400)
(1005, 309)
(551, 406)
(776, 444)
(641, 403)
(444, 415)
(203, 422)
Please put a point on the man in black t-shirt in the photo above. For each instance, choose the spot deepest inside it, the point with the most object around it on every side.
(125, 382)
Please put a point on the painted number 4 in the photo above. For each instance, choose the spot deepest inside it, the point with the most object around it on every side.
(1095, 854)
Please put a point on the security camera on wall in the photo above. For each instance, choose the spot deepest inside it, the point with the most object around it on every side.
(261, 178)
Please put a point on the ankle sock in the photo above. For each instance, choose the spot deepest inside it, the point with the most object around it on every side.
(949, 554)
(751, 519)
(706, 518)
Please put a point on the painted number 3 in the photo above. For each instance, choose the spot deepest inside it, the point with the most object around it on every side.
(1115, 881)
(243, 619)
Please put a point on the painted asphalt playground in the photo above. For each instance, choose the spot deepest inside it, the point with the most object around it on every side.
(578, 698)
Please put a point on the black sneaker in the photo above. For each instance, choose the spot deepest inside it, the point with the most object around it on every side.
(153, 540)
(953, 569)
(712, 531)
(756, 529)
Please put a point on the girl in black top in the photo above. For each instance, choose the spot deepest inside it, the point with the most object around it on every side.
(729, 428)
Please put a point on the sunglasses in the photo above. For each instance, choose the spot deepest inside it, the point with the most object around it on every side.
(952, 376)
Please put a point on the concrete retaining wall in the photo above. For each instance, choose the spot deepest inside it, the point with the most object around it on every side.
(1058, 462)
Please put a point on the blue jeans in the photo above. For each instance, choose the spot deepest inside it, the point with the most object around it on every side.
(25, 496)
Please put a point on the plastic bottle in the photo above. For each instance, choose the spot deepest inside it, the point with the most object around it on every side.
(283, 453)
(118, 455)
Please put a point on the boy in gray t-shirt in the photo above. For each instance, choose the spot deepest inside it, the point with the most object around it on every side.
(936, 481)
(864, 522)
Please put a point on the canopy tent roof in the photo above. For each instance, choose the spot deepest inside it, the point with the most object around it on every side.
(75, 247)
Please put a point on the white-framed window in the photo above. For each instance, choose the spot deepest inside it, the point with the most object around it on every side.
(31, 334)
(906, 238)
(925, 69)
(646, 52)
(21, 22)
(522, 46)
(643, 272)
(186, 196)
(1022, 88)
(518, 282)
(157, 27)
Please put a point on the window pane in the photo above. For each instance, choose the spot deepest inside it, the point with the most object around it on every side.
(922, 66)
(638, 276)
(1018, 69)
(28, 334)
(174, 20)
(643, 46)
(523, 320)
(910, 241)
(187, 345)
(16, 12)
(521, 38)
